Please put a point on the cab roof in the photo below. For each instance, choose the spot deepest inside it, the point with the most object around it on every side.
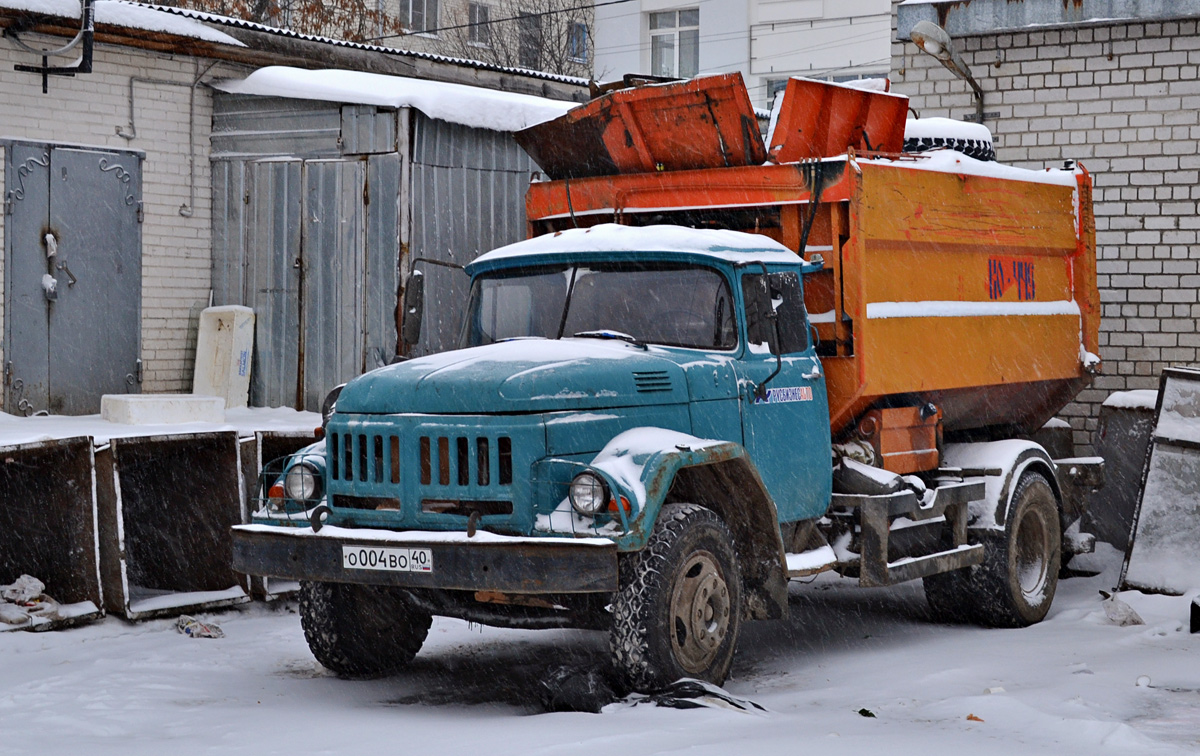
(726, 246)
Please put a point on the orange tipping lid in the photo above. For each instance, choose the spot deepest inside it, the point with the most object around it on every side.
(705, 122)
(820, 119)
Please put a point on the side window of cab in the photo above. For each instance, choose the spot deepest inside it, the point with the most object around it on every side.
(780, 292)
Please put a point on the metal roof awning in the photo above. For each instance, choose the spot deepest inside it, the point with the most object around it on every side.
(476, 107)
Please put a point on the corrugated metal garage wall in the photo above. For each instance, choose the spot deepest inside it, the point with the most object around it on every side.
(310, 208)
(468, 197)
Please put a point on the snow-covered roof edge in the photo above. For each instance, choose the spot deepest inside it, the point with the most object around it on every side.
(277, 31)
(476, 107)
(128, 15)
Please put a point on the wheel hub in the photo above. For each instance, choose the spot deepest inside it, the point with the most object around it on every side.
(1033, 553)
(700, 609)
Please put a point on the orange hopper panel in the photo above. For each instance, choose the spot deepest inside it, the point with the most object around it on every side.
(818, 119)
(707, 122)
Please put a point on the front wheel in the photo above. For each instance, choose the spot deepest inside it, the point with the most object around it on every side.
(361, 630)
(678, 611)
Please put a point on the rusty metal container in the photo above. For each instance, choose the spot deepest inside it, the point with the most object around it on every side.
(707, 122)
(166, 507)
(818, 119)
(48, 526)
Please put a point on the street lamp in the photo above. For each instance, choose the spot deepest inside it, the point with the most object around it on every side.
(934, 40)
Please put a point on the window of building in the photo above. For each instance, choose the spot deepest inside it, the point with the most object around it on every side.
(479, 33)
(529, 41)
(774, 87)
(419, 15)
(675, 43)
(577, 45)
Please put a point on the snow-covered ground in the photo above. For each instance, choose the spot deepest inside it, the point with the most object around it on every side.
(245, 420)
(1067, 686)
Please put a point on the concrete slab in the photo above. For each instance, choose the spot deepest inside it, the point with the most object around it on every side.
(158, 409)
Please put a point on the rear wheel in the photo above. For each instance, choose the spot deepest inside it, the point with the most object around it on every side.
(678, 611)
(1019, 574)
(361, 630)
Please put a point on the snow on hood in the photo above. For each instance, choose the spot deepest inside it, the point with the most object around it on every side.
(530, 375)
(129, 15)
(465, 105)
(613, 237)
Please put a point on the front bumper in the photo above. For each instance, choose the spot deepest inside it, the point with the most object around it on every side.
(485, 562)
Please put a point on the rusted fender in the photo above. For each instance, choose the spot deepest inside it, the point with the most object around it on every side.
(1003, 464)
(654, 466)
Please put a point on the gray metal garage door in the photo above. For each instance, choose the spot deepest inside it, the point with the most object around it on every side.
(72, 277)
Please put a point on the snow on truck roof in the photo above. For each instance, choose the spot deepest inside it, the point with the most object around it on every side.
(733, 246)
(463, 104)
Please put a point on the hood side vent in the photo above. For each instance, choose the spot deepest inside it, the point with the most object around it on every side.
(652, 381)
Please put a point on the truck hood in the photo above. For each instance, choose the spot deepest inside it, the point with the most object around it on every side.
(526, 375)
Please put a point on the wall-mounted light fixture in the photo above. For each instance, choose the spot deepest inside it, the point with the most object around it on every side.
(933, 40)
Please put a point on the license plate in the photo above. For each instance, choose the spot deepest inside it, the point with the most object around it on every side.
(393, 560)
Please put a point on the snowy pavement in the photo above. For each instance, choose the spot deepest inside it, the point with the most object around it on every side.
(1067, 686)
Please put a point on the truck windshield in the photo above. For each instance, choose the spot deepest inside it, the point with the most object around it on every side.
(671, 305)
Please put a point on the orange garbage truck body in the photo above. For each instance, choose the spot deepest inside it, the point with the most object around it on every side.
(947, 281)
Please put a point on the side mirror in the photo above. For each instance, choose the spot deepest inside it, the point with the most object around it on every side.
(328, 404)
(414, 308)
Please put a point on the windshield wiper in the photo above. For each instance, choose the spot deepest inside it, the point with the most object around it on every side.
(611, 335)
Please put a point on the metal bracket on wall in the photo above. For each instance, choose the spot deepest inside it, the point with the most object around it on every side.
(82, 66)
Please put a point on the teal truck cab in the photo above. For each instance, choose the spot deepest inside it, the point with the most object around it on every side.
(633, 437)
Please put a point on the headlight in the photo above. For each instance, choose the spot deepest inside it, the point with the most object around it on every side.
(302, 483)
(588, 494)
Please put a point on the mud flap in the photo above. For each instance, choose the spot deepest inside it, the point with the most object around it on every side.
(48, 527)
(166, 506)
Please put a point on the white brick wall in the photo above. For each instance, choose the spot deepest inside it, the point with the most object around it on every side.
(3, 157)
(89, 110)
(1124, 100)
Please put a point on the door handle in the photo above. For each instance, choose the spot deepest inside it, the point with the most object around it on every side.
(71, 279)
(815, 374)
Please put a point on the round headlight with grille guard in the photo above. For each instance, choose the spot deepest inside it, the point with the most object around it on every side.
(302, 483)
(588, 493)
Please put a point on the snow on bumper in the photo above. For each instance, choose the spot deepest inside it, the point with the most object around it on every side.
(448, 561)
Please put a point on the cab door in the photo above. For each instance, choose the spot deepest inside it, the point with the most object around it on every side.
(785, 413)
